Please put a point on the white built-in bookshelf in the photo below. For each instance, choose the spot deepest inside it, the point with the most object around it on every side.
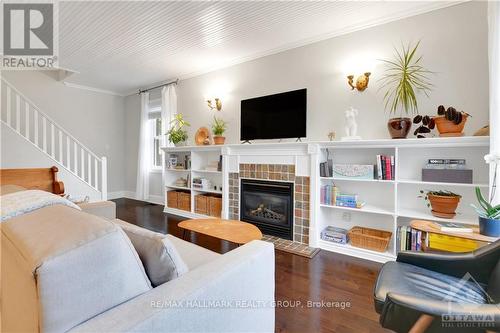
(200, 158)
(393, 203)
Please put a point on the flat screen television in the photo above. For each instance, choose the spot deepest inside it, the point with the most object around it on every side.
(277, 116)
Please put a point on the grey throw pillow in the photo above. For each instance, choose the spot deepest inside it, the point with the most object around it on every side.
(159, 256)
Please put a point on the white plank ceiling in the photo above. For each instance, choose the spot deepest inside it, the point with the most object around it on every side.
(121, 46)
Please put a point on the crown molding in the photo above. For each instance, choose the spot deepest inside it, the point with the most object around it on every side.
(89, 88)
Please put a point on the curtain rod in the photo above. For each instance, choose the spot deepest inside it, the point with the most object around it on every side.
(161, 85)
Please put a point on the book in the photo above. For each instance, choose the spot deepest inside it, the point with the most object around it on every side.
(382, 161)
(388, 175)
(393, 174)
(379, 167)
(453, 227)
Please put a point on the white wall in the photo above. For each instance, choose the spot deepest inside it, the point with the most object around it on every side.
(454, 45)
(95, 119)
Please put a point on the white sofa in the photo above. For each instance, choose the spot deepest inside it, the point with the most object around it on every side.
(66, 270)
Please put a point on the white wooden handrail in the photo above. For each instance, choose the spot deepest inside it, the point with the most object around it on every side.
(22, 115)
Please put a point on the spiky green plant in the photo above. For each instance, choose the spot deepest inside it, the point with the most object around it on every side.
(219, 126)
(403, 79)
(486, 210)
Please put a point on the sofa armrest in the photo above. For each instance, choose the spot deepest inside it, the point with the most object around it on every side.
(105, 209)
(233, 293)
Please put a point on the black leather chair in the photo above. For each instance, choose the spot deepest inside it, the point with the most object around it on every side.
(432, 292)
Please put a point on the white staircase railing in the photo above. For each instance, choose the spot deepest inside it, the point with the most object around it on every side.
(25, 118)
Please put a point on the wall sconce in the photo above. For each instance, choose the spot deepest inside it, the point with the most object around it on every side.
(217, 106)
(361, 81)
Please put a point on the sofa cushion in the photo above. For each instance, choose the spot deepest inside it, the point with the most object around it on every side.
(64, 267)
(104, 209)
(7, 189)
(400, 278)
(158, 254)
(193, 255)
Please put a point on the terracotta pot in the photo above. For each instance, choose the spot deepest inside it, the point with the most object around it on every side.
(447, 127)
(219, 140)
(399, 127)
(443, 206)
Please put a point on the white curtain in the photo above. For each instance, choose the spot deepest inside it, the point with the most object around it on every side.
(168, 109)
(494, 63)
(144, 159)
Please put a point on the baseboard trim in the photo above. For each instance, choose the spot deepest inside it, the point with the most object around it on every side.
(156, 199)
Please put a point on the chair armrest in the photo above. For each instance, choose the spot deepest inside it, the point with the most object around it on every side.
(454, 264)
(105, 209)
(234, 293)
(485, 314)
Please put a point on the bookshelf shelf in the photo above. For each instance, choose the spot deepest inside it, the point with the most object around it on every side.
(179, 187)
(177, 170)
(207, 171)
(420, 215)
(357, 251)
(358, 180)
(419, 182)
(200, 157)
(364, 209)
(398, 203)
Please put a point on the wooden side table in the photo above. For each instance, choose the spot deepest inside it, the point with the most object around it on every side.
(229, 230)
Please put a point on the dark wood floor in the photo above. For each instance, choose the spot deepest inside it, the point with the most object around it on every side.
(326, 277)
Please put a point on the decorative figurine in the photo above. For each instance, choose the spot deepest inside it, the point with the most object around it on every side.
(351, 126)
(331, 135)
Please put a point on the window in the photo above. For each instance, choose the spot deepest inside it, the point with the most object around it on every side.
(156, 134)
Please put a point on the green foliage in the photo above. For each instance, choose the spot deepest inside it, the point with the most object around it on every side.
(177, 133)
(219, 126)
(486, 210)
(404, 77)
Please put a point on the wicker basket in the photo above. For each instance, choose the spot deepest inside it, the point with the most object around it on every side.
(371, 239)
(172, 199)
(184, 201)
(201, 204)
(214, 206)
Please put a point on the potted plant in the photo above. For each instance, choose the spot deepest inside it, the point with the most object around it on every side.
(177, 133)
(403, 79)
(450, 122)
(443, 203)
(489, 216)
(219, 126)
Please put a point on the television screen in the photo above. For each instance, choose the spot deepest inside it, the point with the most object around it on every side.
(276, 116)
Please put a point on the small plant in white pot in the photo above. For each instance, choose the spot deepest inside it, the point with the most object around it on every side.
(489, 216)
(177, 133)
(219, 126)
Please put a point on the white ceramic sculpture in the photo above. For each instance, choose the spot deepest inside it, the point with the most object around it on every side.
(351, 126)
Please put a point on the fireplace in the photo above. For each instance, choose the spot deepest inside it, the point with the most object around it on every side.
(268, 205)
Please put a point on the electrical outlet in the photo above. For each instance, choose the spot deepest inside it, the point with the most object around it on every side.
(346, 216)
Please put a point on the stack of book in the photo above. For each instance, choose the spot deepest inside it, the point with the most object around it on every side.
(409, 239)
(440, 163)
(330, 195)
(385, 167)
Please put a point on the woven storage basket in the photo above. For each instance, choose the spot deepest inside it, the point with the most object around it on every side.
(201, 204)
(172, 199)
(214, 206)
(371, 239)
(184, 201)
